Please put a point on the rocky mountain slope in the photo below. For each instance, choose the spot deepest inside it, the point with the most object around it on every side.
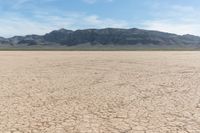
(107, 36)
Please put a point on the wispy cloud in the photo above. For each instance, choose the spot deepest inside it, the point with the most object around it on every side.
(21, 17)
(94, 1)
(176, 19)
(173, 27)
(95, 21)
(24, 17)
(12, 24)
(90, 1)
(16, 4)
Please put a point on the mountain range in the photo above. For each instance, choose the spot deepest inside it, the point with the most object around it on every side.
(105, 37)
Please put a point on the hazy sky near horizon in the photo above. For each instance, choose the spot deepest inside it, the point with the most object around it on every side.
(21, 17)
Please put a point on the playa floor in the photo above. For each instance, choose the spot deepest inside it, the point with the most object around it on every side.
(99, 92)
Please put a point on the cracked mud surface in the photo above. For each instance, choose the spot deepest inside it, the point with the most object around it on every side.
(100, 92)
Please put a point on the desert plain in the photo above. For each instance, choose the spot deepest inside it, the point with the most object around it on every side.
(99, 92)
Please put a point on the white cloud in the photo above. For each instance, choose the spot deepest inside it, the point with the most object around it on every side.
(97, 22)
(90, 1)
(17, 4)
(13, 24)
(21, 26)
(173, 26)
(176, 19)
(94, 1)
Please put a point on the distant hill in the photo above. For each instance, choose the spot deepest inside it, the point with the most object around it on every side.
(103, 37)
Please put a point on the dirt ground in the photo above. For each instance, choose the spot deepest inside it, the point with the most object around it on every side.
(99, 92)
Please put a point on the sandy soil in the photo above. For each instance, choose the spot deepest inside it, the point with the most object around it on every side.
(100, 92)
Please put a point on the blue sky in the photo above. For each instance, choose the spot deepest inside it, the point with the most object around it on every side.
(21, 17)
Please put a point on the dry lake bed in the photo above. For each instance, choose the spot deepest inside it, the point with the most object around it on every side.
(99, 92)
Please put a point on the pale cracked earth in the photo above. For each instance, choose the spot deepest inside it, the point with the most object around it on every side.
(99, 92)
